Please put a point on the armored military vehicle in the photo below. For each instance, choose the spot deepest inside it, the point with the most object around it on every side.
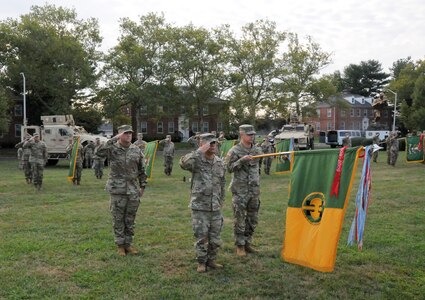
(56, 132)
(295, 131)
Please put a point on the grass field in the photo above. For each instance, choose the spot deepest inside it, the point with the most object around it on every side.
(58, 244)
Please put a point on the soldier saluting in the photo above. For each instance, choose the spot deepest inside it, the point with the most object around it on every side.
(126, 184)
(206, 200)
(37, 159)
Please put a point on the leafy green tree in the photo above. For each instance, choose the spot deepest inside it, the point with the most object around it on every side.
(298, 68)
(198, 63)
(365, 79)
(56, 52)
(410, 88)
(4, 110)
(253, 66)
(135, 71)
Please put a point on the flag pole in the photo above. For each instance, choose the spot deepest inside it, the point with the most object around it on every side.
(272, 154)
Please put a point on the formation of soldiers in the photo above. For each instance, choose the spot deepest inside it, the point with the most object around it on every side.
(127, 182)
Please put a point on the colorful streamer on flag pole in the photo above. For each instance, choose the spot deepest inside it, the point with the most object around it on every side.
(73, 159)
(362, 202)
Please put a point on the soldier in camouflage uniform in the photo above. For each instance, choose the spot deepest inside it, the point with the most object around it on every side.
(126, 184)
(168, 154)
(25, 159)
(392, 148)
(245, 187)
(140, 142)
(346, 141)
(78, 162)
(375, 141)
(88, 154)
(206, 201)
(37, 159)
(267, 147)
(99, 162)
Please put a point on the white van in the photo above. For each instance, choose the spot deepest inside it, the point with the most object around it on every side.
(334, 137)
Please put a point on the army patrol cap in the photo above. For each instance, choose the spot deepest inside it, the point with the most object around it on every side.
(208, 137)
(247, 129)
(125, 128)
(36, 134)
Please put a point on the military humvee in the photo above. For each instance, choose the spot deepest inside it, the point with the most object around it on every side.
(56, 132)
(296, 132)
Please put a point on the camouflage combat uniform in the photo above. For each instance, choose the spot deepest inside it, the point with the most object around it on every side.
(99, 162)
(267, 147)
(375, 141)
(127, 175)
(78, 162)
(346, 141)
(392, 149)
(206, 201)
(168, 156)
(37, 159)
(141, 144)
(26, 166)
(245, 187)
(88, 154)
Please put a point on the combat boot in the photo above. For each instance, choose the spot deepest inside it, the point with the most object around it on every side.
(121, 251)
(213, 265)
(202, 268)
(240, 251)
(250, 249)
(78, 182)
(131, 250)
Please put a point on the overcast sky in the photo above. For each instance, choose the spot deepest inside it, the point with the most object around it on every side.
(352, 30)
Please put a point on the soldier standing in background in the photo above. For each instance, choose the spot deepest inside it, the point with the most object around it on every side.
(26, 166)
(169, 151)
(346, 141)
(126, 184)
(375, 141)
(98, 161)
(221, 138)
(245, 187)
(267, 147)
(37, 159)
(79, 160)
(206, 201)
(392, 148)
(88, 154)
(140, 142)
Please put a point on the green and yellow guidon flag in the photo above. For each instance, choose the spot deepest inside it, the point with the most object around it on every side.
(283, 162)
(319, 190)
(73, 159)
(150, 154)
(414, 149)
(225, 146)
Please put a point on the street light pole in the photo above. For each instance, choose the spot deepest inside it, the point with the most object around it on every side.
(395, 106)
(25, 101)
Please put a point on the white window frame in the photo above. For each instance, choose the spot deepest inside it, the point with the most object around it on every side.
(170, 127)
(144, 127)
(160, 125)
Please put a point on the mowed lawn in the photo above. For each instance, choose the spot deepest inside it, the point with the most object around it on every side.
(58, 244)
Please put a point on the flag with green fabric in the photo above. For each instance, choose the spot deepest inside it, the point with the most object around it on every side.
(319, 190)
(283, 162)
(414, 151)
(150, 154)
(73, 159)
(225, 146)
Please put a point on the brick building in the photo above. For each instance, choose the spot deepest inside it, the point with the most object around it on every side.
(357, 115)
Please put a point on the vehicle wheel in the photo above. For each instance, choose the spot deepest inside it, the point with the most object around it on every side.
(52, 162)
(333, 146)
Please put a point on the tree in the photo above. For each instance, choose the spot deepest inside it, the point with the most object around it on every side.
(410, 87)
(135, 70)
(4, 110)
(297, 70)
(365, 79)
(198, 59)
(253, 66)
(56, 52)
